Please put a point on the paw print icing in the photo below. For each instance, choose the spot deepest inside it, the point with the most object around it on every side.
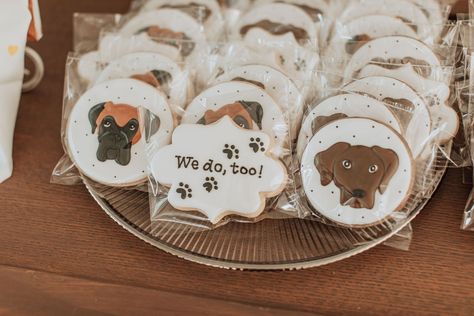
(231, 151)
(211, 184)
(257, 145)
(184, 191)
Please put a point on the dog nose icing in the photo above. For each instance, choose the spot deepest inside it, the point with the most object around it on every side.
(358, 194)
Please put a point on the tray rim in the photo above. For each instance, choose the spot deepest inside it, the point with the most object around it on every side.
(229, 265)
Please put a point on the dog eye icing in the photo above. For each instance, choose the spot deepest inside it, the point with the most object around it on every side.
(132, 127)
(107, 124)
(373, 169)
(347, 164)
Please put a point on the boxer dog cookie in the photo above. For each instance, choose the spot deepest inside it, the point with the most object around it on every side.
(344, 106)
(207, 12)
(435, 14)
(248, 105)
(281, 88)
(316, 9)
(357, 172)
(415, 64)
(404, 10)
(410, 109)
(219, 170)
(283, 33)
(155, 69)
(105, 131)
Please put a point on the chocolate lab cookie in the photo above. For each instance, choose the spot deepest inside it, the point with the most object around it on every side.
(248, 105)
(410, 109)
(108, 129)
(415, 64)
(155, 69)
(206, 12)
(405, 10)
(275, 83)
(343, 106)
(357, 172)
(348, 37)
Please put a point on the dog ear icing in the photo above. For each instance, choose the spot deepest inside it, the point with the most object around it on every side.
(320, 121)
(94, 114)
(162, 76)
(255, 110)
(152, 125)
(390, 161)
(324, 161)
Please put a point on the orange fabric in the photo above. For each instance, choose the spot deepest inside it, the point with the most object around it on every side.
(122, 113)
(35, 32)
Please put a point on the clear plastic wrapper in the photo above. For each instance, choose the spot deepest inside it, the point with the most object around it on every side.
(369, 154)
(120, 91)
(230, 158)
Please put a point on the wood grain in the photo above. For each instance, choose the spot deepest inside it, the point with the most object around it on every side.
(61, 232)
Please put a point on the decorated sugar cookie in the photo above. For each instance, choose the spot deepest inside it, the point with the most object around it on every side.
(207, 12)
(169, 29)
(219, 170)
(157, 70)
(357, 172)
(276, 22)
(275, 83)
(405, 10)
(248, 105)
(433, 11)
(104, 134)
(348, 37)
(316, 9)
(409, 107)
(394, 52)
(414, 63)
(344, 106)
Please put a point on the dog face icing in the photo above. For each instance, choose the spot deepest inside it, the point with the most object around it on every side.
(155, 78)
(275, 28)
(166, 36)
(118, 130)
(358, 171)
(243, 113)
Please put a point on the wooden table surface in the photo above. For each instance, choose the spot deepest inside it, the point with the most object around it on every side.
(60, 254)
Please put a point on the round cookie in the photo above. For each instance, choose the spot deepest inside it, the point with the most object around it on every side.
(409, 107)
(357, 172)
(248, 105)
(278, 23)
(154, 69)
(405, 10)
(170, 29)
(344, 106)
(417, 66)
(348, 37)
(393, 52)
(434, 12)
(207, 12)
(275, 83)
(104, 133)
(316, 9)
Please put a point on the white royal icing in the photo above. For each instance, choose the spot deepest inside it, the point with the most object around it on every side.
(83, 145)
(178, 89)
(417, 129)
(351, 105)
(219, 170)
(357, 132)
(277, 85)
